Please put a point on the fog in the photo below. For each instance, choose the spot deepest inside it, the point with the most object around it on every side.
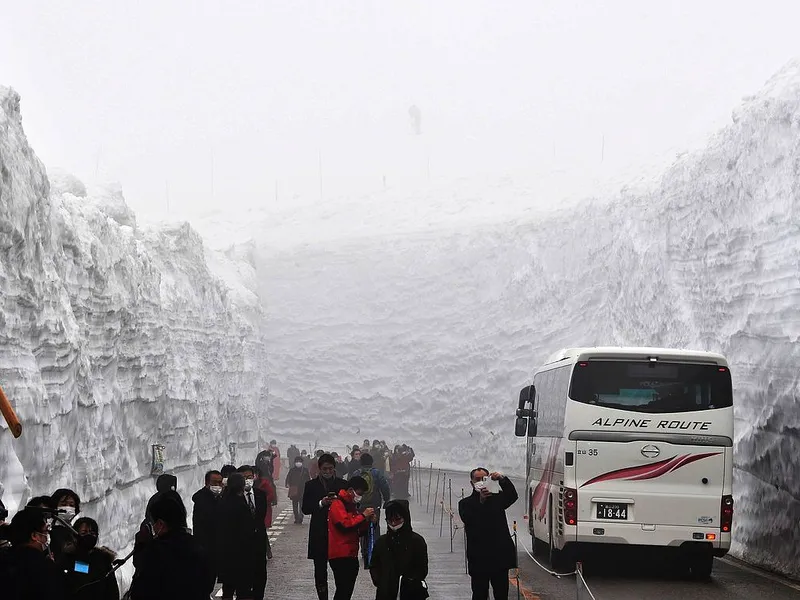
(196, 105)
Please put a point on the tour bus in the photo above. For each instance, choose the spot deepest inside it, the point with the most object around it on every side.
(630, 446)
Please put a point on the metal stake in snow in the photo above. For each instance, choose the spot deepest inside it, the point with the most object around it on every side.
(9, 415)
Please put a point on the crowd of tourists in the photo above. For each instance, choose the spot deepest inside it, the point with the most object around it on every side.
(48, 551)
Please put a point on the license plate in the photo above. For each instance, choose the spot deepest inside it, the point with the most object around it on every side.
(617, 512)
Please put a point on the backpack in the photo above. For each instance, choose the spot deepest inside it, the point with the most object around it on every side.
(370, 477)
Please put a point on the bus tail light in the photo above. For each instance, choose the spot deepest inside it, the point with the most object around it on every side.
(726, 517)
(570, 506)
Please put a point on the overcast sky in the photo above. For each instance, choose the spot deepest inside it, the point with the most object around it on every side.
(220, 102)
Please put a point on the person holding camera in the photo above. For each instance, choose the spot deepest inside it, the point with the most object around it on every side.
(346, 523)
(318, 495)
(490, 549)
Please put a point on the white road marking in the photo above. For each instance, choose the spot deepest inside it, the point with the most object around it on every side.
(764, 574)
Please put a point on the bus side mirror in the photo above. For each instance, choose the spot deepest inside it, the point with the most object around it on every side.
(533, 426)
(527, 395)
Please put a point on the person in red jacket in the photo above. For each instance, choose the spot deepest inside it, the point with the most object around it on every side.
(266, 484)
(345, 526)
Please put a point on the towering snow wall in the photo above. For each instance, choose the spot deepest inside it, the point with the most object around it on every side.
(428, 337)
(114, 338)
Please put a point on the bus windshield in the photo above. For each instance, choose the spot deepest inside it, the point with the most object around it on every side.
(651, 387)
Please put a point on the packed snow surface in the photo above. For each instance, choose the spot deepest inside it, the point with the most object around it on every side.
(424, 330)
(114, 338)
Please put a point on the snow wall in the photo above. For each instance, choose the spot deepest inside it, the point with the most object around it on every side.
(114, 338)
(428, 337)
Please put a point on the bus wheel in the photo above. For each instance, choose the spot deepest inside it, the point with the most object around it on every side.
(557, 558)
(700, 565)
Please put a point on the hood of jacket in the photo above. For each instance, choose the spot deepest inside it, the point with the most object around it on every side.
(402, 508)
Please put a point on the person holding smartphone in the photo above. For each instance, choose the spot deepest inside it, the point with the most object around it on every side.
(490, 549)
(318, 495)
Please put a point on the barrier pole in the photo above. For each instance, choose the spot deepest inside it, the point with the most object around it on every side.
(430, 480)
(435, 495)
(516, 547)
(450, 493)
(441, 519)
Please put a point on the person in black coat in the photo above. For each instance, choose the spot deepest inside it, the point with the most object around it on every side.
(89, 572)
(206, 513)
(172, 565)
(236, 538)
(490, 549)
(258, 504)
(296, 479)
(26, 570)
(318, 495)
(399, 553)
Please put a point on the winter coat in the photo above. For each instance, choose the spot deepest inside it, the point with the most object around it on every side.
(204, 520)
(28, 574)
(236, 536)
(276, 462)
(173, 566)
(292, 453)
(267, 487)
(296, 478)
(381, 492)
(353, 466)
(100, 561)
(489, 545)
(398, 553)
(62, 541)
(314, 491)
(345, 527)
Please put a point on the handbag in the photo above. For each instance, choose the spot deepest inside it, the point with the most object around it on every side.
(294, 491)
(413, 589)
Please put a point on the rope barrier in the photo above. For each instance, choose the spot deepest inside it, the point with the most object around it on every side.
(579, 576)
(579, 579)
(545, 569)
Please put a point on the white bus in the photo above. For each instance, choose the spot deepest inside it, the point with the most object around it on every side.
(630, 446)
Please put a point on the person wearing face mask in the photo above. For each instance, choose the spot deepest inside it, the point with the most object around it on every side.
(237, 540)
(26, 571)
(345, 527)
(259, 495)
(490, 548)
(318, 494)
(206, 512)
(399, 553)
(87, 573)
(172, 565)
(296, 480)
(62, 540)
